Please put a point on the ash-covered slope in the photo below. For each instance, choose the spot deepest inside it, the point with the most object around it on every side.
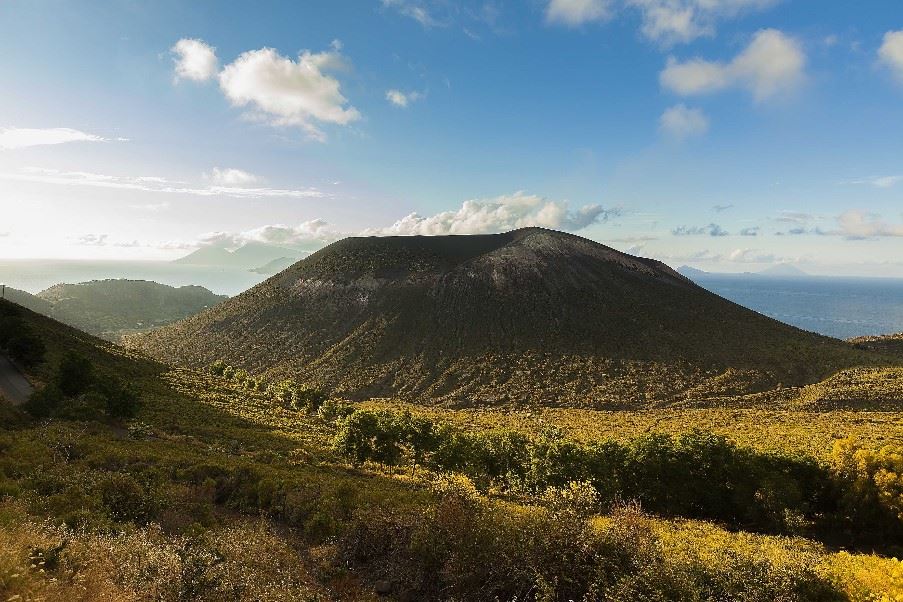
(529, 315)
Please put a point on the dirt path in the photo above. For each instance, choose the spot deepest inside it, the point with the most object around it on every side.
(13, 386)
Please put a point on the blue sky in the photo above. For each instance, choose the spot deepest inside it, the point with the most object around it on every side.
(725, 134)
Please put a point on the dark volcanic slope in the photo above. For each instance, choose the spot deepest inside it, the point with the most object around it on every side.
(531, 314)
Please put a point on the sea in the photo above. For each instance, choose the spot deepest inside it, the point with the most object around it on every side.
(839, 307)
(834, 306)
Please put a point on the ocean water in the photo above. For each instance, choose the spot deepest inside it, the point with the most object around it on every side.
(834, 306)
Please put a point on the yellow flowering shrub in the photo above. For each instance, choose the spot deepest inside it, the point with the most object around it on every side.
(875, 473)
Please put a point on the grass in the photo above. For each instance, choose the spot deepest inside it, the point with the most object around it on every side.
(215, 492)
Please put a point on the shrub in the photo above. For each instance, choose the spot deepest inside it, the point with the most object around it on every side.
(74, 375)
(217, 368)
(308, 399)
(333, 409)
(126, 499)
(873, 477)
(121, 400)
(26, 348)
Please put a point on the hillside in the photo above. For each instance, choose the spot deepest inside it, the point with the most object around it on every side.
(529, 315)
(215, 488)
(111, 308)
(26, 299)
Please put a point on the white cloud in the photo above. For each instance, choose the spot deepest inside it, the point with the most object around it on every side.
(708, 230)
(309, 235)
(858, 224)
(232, 177)
(499, 214)
(750, 231)
(154, 184)
(682, 122)
(772, 64)
(288, 92)
(92, 240)
(415, 10)
(880, 181)
(487, 216)
(673, 21)
(13, 138)
(402, 99)
(573, 13)
(753, 256)
(312, 233)
(194, 59)
(891, 52)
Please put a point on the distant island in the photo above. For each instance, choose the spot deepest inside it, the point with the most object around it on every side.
(779, 270)
(113, 308)
(253, 256)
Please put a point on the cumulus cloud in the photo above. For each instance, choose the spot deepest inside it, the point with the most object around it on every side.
(155, 184)
(499, 214)
(232, 177)
(856, 224)
(194, 60)
(13, 138)
(573, 13)
(751, 231)
(773, 63)
(306, 236)
(279, 90)
(486, 216)
(672, 21)
(708, 230)
(891, 52)
(682, 122)
(402, 99)
(287, 92)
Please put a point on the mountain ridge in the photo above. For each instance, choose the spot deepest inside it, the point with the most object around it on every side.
(527, 315)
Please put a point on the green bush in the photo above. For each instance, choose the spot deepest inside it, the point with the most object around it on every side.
(26, 348)
(308, 399)
(75, 374)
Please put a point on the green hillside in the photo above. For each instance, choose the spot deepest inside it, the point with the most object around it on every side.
(113, 308)
(532, 315)
(219, 488)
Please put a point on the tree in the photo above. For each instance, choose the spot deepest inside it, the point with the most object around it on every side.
(308, 399)
(26, 348)
(75, 374)
(121, 400)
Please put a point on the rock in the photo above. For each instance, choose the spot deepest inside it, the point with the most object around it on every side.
(383, 587)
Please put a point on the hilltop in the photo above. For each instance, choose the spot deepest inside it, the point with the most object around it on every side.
(528, 315)
(111, 308)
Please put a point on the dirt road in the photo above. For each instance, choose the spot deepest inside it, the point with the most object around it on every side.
(13, 386)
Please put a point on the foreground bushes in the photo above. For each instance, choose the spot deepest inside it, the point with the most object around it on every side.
(695, 475)
(17, 339)
(78, 391)
(286, 393)
(467, 547)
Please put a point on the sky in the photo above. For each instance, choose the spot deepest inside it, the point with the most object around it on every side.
(724, 134)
